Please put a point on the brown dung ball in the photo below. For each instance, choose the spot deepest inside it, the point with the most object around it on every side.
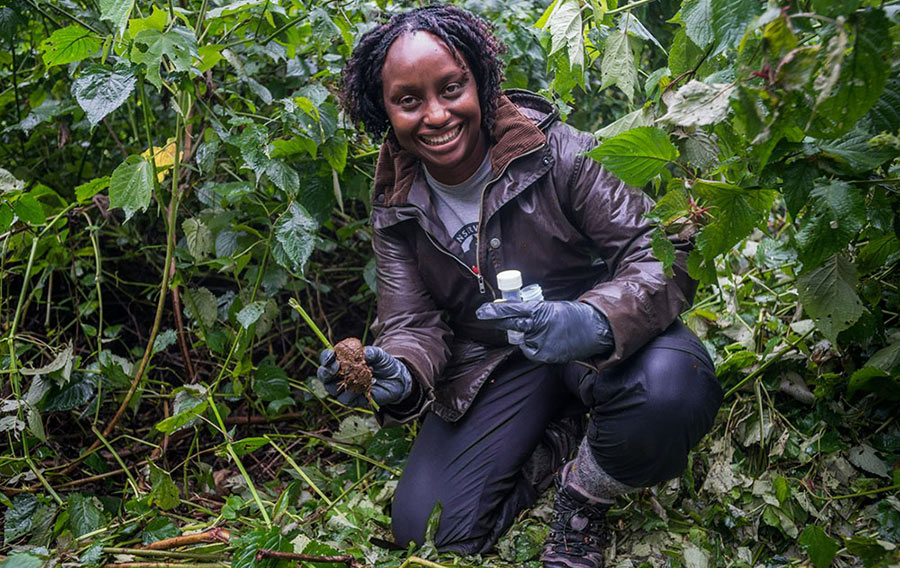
(355, 375)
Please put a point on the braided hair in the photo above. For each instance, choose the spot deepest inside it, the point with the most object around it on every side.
(469, 39)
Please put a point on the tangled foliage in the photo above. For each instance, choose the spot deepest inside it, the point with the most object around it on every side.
(176, 177)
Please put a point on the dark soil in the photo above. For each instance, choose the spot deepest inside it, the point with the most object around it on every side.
(355, 375)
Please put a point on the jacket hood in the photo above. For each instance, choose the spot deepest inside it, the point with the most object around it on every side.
(519, 125)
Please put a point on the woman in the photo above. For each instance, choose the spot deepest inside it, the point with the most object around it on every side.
(470, 182)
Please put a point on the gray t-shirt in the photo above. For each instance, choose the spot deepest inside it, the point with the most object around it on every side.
(457, 207)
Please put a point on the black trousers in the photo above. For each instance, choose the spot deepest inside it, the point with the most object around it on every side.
(645, 415)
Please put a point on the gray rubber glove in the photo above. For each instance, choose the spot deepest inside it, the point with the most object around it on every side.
(555, 332)
(391, 380)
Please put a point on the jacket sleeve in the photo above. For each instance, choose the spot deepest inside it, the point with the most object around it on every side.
(639, 300)
(408, 325)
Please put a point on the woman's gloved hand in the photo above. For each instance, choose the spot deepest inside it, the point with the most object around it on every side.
(391, 380)
(555, 332)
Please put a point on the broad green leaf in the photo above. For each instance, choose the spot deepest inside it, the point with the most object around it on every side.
(566, 31)
(248, 445)
(834, 8)
(247, 545)
(820, 547)
(233, 8)
(641, 117)
(158, 529)
(684, 55)
(828, 293)
(93, 556)
(637, 155)
(860, 77)
(131, 185)
(887, 359)
(253, 144)
(70, 44)
(6, 216)
(294, 146)
(271, 383)
(190, 402)
(9, 182)
(163, 340)
(630, 24)
(699, 149)
(29, 210)
(22, 560)
(116, 12)
(698, 104)
(837, 212)
(209, 55)
(335, 151)
(545, 16)
(885, 114)
(697, 16)
(869, 550)
(871, 379)
(85, 514)
(88, 190)
(284, 176)
(164, 492)
(730, 18)
(663, 250)
(199, 238)
(10, 20)
(157, 20)
(250, 313)
(18, 518)
(100, 90)
(618, 66)
(201, 305)
(735, 213)
(74, 394)
(177, 43)
(61, 361)
(854, 152)
(295, 238)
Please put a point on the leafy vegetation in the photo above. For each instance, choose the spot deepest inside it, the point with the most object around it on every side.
(172, 174)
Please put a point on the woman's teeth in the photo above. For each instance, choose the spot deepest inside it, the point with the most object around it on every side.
(438, 140)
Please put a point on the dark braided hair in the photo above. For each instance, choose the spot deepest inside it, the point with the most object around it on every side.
(469, 39)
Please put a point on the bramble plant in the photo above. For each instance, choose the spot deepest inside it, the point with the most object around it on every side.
(176, 176)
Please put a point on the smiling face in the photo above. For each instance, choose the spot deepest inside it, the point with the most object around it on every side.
(432, 104)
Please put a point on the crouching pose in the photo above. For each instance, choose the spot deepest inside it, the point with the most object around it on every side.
(471, 181)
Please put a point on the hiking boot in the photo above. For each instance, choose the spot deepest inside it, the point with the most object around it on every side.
(578, 533)
(557, 446)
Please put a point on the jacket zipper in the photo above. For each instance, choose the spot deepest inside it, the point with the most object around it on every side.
(477, 270)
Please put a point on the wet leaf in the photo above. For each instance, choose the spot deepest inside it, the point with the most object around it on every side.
(18, 517)
(177, 44)
(165, 493)
(637, 155)
(698, 104)
(295, 238)
(100, 90)
(828, 293)
(618, 66)
(820, 547)
(116, 12)
(131, 185)
(70, 44)
(85, 514)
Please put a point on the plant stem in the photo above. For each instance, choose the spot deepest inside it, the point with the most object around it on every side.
(629, 6)
(309, 321)
(775, 357)
(160, 553)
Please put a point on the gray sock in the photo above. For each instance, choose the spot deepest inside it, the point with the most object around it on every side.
(586, 476)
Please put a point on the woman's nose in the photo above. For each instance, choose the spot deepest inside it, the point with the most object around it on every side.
(436, 114)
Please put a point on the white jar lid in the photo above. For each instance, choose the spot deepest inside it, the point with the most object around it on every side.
(509, 280)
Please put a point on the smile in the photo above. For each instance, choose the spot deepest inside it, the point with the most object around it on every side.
(442, 139)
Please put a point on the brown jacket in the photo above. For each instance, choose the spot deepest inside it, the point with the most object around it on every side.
(550, 212)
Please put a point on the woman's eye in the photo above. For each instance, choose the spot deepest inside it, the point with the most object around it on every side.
(452, 88)
(407, 101)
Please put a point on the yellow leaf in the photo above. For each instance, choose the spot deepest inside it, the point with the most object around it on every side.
(164, 158)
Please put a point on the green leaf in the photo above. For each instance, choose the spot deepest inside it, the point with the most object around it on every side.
(861, 78)
(837, 212)
(828, 293)
(641, 117)
(201, 305)
(199, 238)
(93, 556)
(697, 17)
(335, 151)
(885, 114)
(18, 517)
(163, 340)
(684, 55)
(22, 560)
(867, 549)
(177, 43)
(28, 210)
(566, 32)
(157, 20)
(85, 514)
(70, 44)
(735, 213)
(834, 8)
(131, 185)
(854, 152)
(246, 446)
(250, 313)
(6, 216)
(887, 358)
(871, 379)
(618, 66)
(116, 12)
(72, 395)
(698, 104)
(88, 190)
(190, 402)
(637, 155)
(9, 182)
(284, 176)
(165, 493)
(730, 18)
(663, 250)
(100, 90)
(295, 238)
(271, 383)
(820, 547)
